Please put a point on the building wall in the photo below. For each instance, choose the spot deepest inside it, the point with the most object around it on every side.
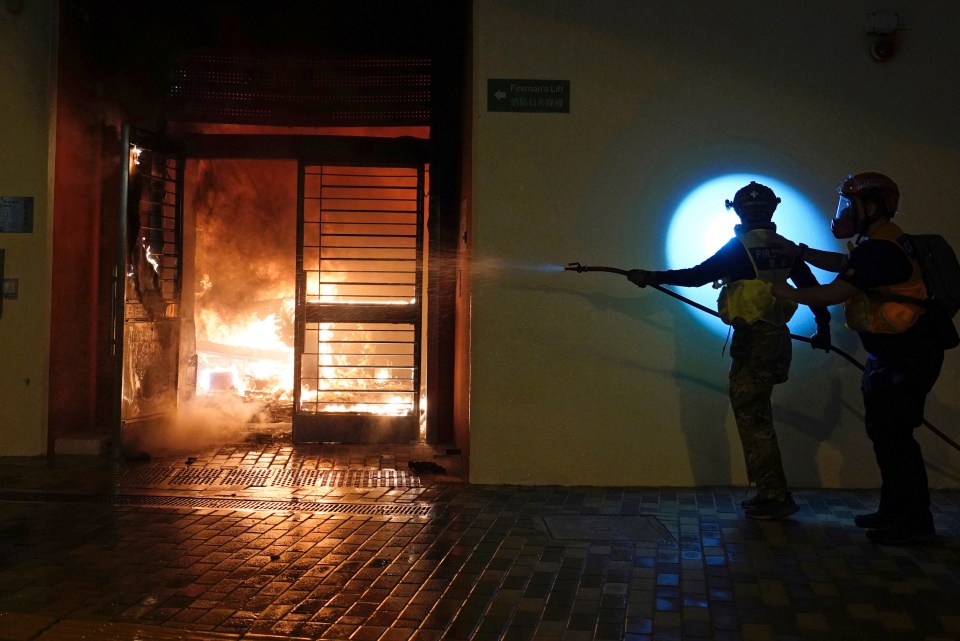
(26, 46)
(89, 114)
(585, 379)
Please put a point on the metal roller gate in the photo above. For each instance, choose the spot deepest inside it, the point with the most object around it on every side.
(359, 303)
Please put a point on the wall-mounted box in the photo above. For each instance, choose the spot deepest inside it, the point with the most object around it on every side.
(16, 214)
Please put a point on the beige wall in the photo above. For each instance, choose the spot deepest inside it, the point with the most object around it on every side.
(25, 133)
(585, 379)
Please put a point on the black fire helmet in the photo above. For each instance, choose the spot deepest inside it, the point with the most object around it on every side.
(754, 201)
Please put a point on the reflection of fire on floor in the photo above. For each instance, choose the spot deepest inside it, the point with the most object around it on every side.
(262, 455)
(187, 476)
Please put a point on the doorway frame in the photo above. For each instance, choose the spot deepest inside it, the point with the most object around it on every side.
(324, 149)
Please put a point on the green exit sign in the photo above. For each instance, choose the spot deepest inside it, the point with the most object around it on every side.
(528, 96)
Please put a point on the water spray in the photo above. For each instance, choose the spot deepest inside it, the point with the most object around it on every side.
(579, 268)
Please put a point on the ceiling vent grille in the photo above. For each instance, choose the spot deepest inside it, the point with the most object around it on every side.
(319, 92)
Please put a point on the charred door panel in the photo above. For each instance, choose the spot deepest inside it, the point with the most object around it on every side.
(148, 283)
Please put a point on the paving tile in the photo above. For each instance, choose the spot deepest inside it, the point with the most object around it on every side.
(480, 566)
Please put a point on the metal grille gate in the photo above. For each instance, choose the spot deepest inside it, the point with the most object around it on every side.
(359, 303)
(147, 283)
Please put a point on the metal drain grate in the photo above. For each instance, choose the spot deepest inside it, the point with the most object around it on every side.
(191, 476)
(251, 505)
(178, 477)
(378, 509)
(148, 475)
(595, 527)
(246, 478)
(299, 478)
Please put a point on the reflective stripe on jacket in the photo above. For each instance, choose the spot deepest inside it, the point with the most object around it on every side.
(751, 300)
(871, 310)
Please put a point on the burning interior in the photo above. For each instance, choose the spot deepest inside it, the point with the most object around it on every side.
(269, 243)
(293, 287)
(243, 280)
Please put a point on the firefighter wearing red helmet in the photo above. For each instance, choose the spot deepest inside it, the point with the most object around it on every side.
(878, 283)
(761, 348)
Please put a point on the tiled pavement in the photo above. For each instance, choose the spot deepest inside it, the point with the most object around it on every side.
(263, 540)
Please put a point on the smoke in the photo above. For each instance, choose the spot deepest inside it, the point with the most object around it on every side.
(246, 229)
(246, 233)
(203, 422)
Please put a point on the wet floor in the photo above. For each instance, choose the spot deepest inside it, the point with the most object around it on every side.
(262, 539)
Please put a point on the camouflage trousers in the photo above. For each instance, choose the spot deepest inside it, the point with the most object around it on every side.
(761, 356)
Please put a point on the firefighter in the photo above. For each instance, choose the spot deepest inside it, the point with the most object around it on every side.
(760, 350)
(904, 347)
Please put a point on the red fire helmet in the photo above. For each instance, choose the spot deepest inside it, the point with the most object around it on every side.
(858, 185)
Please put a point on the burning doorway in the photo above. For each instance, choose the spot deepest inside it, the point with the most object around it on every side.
(302, 291)
(241, 220)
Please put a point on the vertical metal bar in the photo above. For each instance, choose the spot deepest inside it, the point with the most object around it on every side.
(299, 314)
(178, 185)
(119, 279)
(178, 273)
(418, 291)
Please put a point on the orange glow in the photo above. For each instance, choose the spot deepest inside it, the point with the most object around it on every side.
(360, 251)
(245, 357)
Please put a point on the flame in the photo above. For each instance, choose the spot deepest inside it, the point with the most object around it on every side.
(246, 356)
(152, 259)
(357, 369)
(336, 389)
(396, 406)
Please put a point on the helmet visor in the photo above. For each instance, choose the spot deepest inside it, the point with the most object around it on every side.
(843, 224)
(843, 205)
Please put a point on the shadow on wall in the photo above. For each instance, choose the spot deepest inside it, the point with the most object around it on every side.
(702, 401)
(941, 457)
(704, 404)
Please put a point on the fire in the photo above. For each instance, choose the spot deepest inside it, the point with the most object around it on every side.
(249, 357)
(357, 247)
(152, 258)
(343, 383)
(246, 356)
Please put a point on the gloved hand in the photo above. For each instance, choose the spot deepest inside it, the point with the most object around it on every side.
(640, 277)
(781, 290)
(821, 340)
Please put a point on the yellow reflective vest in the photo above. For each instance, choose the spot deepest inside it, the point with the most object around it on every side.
(751, 300)
(872, 310)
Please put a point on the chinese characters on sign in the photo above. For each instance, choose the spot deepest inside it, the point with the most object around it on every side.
(528, 96)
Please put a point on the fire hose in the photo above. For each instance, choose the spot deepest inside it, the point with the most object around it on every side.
(577, 267)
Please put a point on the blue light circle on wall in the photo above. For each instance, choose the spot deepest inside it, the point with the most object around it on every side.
(702, 224)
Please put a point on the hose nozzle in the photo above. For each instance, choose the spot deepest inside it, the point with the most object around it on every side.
(575, 267)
